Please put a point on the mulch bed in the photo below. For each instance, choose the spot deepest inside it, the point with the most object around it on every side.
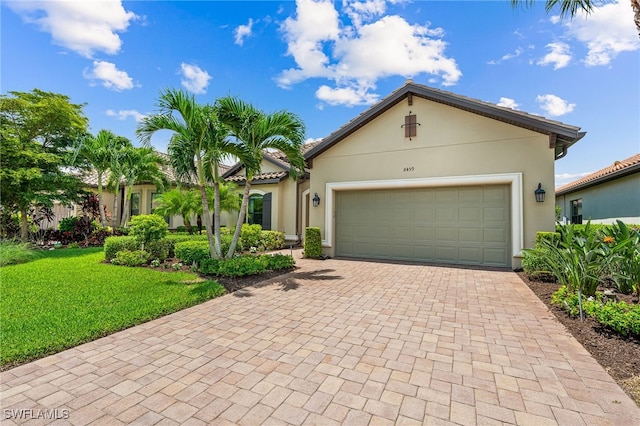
(619, 355)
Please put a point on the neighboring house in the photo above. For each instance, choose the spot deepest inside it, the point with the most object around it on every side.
(423, 175)
(605, 196)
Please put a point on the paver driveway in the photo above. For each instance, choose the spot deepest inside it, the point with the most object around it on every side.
(335, 342)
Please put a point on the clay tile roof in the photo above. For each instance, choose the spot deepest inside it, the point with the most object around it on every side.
(617, 169)
(260, 177)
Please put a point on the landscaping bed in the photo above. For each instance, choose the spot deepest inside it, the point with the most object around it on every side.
(618, 355)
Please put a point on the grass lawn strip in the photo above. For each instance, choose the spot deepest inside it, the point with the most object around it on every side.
(68, 297)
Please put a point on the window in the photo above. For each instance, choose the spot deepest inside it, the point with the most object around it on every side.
(576, 211)
(135, 204)
(254, 211)
(410, 126)
(154, 204)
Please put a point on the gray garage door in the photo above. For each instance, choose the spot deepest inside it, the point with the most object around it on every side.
(466, 225)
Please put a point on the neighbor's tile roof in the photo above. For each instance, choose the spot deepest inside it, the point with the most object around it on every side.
(617, 169)
(90, 178)
(261, 176)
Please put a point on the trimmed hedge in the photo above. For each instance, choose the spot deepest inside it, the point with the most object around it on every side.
(162, 249)
(312, 242)
(272, 240)
(192, 251)
(247, 265)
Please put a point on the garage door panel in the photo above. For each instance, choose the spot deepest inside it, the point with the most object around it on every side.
(446, 233)
(446, 214)
(496, 235)
(470, 214)
(469, 225)
(471, 235)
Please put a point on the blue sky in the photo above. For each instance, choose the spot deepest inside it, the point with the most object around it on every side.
(329, 61)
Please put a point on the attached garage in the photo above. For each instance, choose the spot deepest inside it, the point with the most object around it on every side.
(464, 224)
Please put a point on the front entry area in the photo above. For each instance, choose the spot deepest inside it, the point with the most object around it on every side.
(460, 225)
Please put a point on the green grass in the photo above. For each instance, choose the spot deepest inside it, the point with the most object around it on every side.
(13, 252)
(67, 297)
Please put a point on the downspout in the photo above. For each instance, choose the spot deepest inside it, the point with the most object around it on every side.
(298, 218)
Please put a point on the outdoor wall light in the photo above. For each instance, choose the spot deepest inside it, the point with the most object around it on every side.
(316, 200)
(539, 193)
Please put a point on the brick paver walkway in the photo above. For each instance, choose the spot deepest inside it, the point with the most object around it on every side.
(336, 342)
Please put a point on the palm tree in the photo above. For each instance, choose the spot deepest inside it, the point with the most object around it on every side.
(572, 7)
(97, 151)
(255, 132)
(140, 165)
(179, 203)
(196, 148)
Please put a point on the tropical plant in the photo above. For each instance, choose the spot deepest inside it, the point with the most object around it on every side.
(140, 165)
(578, 259)
(97, 152)
(196, 149)
(178, 202)
(625, 264)
(117, 165)
(572, 7)
(255, 132)
(37, 131)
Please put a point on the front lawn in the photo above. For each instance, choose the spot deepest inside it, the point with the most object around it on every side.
(67, 297)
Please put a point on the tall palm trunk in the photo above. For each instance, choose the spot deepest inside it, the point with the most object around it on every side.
(216, 215)
(103, 217)
(127, 206)
(214, 249)
(116, 205)
(241, 216)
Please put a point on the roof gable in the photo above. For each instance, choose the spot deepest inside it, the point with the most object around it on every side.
(616, 170)
(561, 135)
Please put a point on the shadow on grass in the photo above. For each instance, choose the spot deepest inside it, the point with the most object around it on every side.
(289, 281)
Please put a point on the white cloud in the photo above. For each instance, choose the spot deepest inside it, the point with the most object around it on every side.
(111, 77)
(554, 105)
(82, 26)
(242, 32)
(507, 56)
(606, 32)
(123, 114)
(355, 56)
(508, 103)
(349, 96)
(559, 55)
(194, 79)
(565, 176)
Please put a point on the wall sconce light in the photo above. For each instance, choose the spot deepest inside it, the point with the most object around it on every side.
(539, 193)
(316, 200)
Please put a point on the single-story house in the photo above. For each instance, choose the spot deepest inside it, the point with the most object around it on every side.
(610, 194)
(423, 175)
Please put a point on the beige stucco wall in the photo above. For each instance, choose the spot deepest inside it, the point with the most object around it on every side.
(450, 143)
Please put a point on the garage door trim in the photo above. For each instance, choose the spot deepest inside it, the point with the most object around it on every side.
(514, 180)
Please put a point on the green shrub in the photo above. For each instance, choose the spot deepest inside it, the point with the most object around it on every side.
(312, 243)
(250, 236)
(534, 265)
(147, 228)
(73, 245)
(241, 266)
(131, 258)
(278, 262)
(192, 251)
(272, 240)
(68, 224)
(181, 228)
(619, 316)
(550, 237)
(112, 245)
(246, 265)
(160, 250)
(624, 248)
(13, 252)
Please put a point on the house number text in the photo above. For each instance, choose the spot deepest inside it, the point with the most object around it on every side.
(408, 169)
